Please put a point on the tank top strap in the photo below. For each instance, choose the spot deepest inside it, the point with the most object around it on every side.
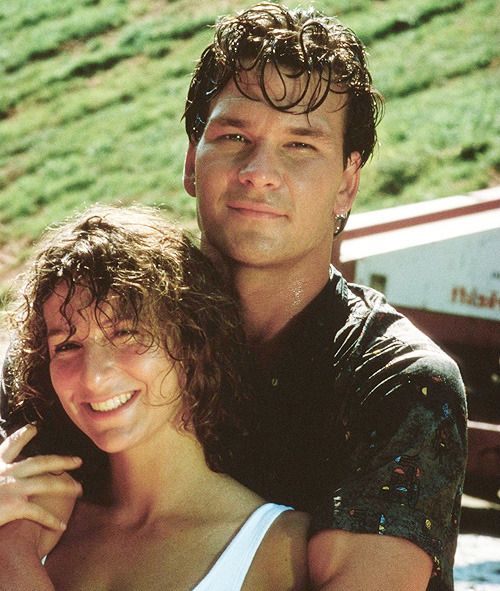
(230, 570)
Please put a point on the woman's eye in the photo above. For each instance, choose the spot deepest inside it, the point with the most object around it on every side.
(65, 347)
(125, 334)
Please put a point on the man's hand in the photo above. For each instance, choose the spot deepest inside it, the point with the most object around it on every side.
(37, 489)
(345, 561)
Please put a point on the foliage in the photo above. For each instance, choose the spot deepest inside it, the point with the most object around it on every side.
(91, 95)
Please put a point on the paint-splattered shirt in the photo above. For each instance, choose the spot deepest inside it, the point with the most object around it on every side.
(362, 424)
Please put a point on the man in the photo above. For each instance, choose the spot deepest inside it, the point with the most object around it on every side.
(362, 418)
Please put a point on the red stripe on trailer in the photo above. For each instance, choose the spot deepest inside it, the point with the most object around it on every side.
(451, 330)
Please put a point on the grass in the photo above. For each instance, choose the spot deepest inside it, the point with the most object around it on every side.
(46, 38)
(91, 94)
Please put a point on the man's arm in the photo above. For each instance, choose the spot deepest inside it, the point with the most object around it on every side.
(21, 567)
(345, 561)
(392, 520)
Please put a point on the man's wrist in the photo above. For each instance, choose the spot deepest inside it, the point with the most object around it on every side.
(19, 538)
(21, 566)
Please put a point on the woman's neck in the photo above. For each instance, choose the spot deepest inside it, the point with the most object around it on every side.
(160, 477)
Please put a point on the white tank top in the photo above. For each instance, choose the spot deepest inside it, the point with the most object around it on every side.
(230, 570)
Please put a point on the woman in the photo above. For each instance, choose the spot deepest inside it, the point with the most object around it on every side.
(126, 330)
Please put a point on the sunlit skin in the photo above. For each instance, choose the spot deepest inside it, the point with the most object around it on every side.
(268, 186)
(165, 502)
(108, 369)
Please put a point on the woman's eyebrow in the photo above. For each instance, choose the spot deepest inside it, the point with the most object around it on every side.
(56, 331)
(111, 321)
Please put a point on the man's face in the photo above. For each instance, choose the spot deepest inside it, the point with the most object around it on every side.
(269, 183)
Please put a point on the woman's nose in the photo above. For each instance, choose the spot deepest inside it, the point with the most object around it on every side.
(97, 367)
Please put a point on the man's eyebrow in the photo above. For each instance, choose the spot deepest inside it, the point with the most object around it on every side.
(298, 130)
(226, 121)
(313, 132)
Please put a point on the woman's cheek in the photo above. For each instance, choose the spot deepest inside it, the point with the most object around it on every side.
(62, 373)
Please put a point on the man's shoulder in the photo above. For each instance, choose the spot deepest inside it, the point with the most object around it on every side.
(379, 345)
(370, 321)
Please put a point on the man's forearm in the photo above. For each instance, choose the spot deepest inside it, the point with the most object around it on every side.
(21, 567)
(344, 561)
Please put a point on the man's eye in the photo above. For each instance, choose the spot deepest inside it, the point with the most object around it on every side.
(301, 146)
(235, 137)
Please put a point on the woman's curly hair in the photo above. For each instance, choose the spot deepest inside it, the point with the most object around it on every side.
(149, 272)
(297, 43)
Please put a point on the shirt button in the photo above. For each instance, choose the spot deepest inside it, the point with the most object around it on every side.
(274, 382)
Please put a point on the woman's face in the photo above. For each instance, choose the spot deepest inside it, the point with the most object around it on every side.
(120, 393)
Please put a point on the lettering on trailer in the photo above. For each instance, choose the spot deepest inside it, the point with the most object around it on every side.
(458, 276)
(474, 298)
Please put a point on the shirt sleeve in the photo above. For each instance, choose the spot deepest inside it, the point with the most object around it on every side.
(405, 440)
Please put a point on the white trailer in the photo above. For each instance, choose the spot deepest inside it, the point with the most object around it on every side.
(438, 262)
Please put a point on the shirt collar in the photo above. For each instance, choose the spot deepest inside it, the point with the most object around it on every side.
(315, 327)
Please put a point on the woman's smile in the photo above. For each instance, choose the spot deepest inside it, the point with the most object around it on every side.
(117, 391)
(112, 403)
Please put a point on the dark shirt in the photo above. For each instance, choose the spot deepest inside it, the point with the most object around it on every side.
(362, 423)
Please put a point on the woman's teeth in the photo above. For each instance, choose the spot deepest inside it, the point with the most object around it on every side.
(112, 403)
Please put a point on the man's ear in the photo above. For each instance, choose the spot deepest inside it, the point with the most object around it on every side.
(189, 170)
(349, 185)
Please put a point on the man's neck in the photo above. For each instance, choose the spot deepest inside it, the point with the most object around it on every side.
(271, 298)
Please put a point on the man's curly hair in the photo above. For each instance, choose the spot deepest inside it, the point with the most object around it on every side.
(297, 43)
(134, 265)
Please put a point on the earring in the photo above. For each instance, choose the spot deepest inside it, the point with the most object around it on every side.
(340, 222)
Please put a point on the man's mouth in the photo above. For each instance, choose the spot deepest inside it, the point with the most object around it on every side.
(255, 208)
(111, 403)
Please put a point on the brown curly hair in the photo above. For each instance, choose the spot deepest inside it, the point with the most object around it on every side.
(157, 278)
(298, 43)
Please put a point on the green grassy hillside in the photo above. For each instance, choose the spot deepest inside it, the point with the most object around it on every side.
(91, 94)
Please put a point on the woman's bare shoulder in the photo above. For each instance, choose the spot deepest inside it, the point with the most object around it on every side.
(281, 561)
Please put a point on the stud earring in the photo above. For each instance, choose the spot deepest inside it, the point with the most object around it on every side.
(340, 222)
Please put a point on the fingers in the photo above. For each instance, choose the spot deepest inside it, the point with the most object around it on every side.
(50, 484)
(35, 498)
(11, 447)
(47, 484)
(33, 466)
(26, 510)
(38, 465)
(30, 488)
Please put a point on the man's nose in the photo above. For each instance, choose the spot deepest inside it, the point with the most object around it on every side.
(261, 168)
